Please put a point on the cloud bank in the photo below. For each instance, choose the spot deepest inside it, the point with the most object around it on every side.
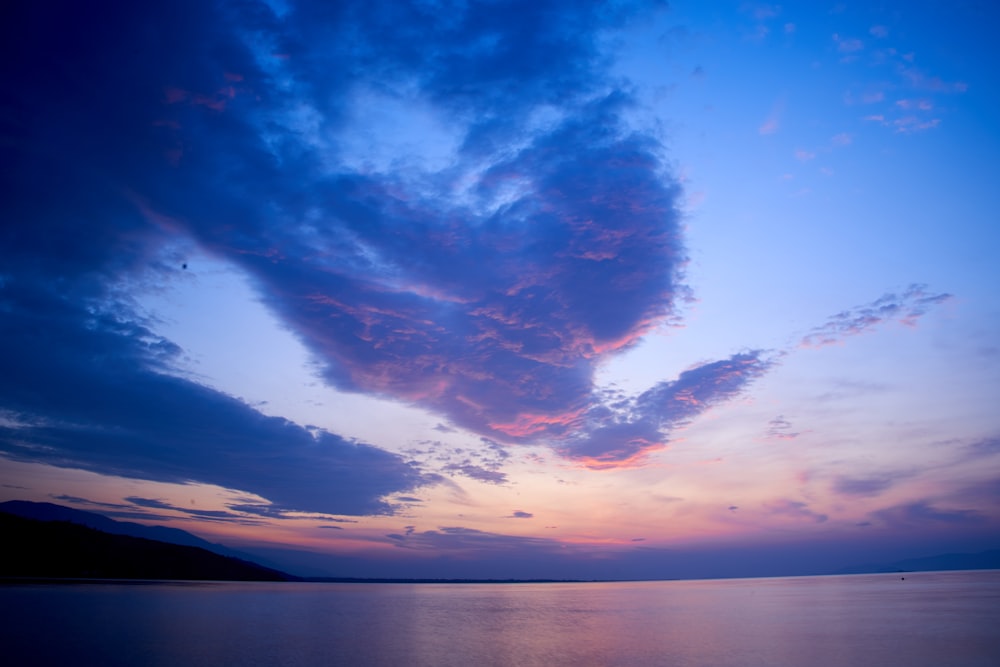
(448, 204)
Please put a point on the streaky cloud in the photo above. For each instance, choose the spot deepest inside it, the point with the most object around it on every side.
(94, 392)
(905, 308)
(924, 513)
(794, 509)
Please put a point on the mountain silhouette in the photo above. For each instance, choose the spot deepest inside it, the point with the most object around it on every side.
(64, 549)
(53, 512)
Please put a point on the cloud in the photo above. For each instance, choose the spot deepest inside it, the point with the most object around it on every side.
(841, 139)
(911, 124)
(879, 31)
(922, 513)
(794, 509)
(519, 514)
(921, 104)
(906, 308)
(985, 447)
(93, 392)
(865, 486)
(486, 285)
(487, 291)
(153, 503)
(769, 126)
(469, 540)
(780, 428)
(497, 322)
(476, 472)
(619, 431)
(848, 45)
(772, 123)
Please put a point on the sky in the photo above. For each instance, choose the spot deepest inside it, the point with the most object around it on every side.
(537, 289)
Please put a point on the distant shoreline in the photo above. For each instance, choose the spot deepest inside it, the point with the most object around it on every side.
(13, 580)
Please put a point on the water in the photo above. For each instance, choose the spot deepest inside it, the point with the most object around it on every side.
(932, 619)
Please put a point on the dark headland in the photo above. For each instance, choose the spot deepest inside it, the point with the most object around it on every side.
(63, 550)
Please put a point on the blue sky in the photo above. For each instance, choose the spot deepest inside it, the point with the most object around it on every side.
(507, 289)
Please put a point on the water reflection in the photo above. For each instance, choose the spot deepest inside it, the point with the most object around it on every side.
(926, 619)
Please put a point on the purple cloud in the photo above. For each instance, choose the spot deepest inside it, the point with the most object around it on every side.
(476, 472)
(923, 513)
(863, 486)
(134, 420)
(794, 509)
(780, 428)
(906, 308)
(470, 540)
(487, 291)
(619, 431)
(491, 305)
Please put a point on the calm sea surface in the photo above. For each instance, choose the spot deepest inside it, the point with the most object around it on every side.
(936, 619)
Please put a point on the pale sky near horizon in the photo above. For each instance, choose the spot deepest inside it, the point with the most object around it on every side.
(508, 289)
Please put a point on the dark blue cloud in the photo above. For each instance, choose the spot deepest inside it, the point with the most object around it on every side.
(130, 127)
(84, 385)
(157, 504)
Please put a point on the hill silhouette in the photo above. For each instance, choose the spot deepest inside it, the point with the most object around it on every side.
(54, 512)
(61, 549)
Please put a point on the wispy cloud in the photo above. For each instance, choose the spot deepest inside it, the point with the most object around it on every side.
(794, 509)
(780, 428)
(842, 139)
(867, 486)
(469, 540)
(923, 513)
(848, 44)
(905, 308)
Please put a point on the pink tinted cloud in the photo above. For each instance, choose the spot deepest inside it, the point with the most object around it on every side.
(772, 123)
(496, 322)
(769, 126)
(906, 308)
